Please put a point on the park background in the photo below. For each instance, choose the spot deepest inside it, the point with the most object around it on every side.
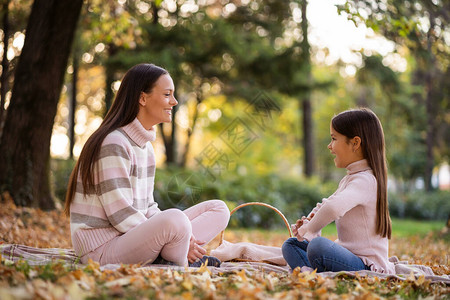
(257, 83)
(256, 95)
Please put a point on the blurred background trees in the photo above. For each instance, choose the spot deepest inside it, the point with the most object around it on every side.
(39, 76)
(421, 28)
(256, 87)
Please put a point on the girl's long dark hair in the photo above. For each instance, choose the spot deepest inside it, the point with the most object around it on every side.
(365, 124)
(138, 79)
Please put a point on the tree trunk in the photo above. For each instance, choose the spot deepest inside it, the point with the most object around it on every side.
(155, 12)
(430, 115)
(110, 72)
(308, 143)
(25, 144)
(429, 164)
(5, 65)
(109, 94)
(73, 103)
(308, 137)
(170, 141)
(185, 153)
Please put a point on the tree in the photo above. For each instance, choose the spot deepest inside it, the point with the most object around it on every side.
(234, 48)
(25, 143)
(308, 144)
(73, 99)
(106, 28)
(227, 52)
(382, 89)
(13, 15)
(421, 26)
(5, 62)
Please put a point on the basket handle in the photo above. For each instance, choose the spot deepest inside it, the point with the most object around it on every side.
(260, 204)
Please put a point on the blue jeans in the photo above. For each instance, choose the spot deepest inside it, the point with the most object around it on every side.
(321, 254)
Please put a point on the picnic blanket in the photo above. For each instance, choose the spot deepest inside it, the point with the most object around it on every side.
(248, 251)
(259, 258)
(37, 256)
(272, 255)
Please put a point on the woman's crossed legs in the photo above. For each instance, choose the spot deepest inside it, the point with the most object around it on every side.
(167, 233)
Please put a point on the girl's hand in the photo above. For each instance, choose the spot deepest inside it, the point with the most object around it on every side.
(195, 250)
(296, 226)
(300, 222)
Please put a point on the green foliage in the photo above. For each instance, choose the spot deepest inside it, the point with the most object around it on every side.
(375, 70)
(294, 197)
(420, 205)
(59, 176)
(221, 63)
(420, 27)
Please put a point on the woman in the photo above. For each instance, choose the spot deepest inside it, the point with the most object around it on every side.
(359, 206)
(113, 216)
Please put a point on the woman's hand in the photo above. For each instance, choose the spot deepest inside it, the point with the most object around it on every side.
(195, 250)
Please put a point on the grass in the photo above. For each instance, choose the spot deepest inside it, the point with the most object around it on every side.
(400, 227)
(405, 227)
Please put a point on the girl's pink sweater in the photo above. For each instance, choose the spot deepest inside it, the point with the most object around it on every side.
(353, 208)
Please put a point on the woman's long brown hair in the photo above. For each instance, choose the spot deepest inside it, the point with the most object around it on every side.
(365, 124)
(138, 79)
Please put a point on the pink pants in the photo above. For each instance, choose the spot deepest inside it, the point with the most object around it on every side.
(168, 232)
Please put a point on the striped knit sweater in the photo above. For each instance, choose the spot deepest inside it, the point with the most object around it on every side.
(126, 173)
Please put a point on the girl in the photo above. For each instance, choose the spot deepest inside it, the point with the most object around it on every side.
(113, 216)
(359, 206)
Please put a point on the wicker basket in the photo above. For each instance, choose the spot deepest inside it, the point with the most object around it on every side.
(260, 204)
